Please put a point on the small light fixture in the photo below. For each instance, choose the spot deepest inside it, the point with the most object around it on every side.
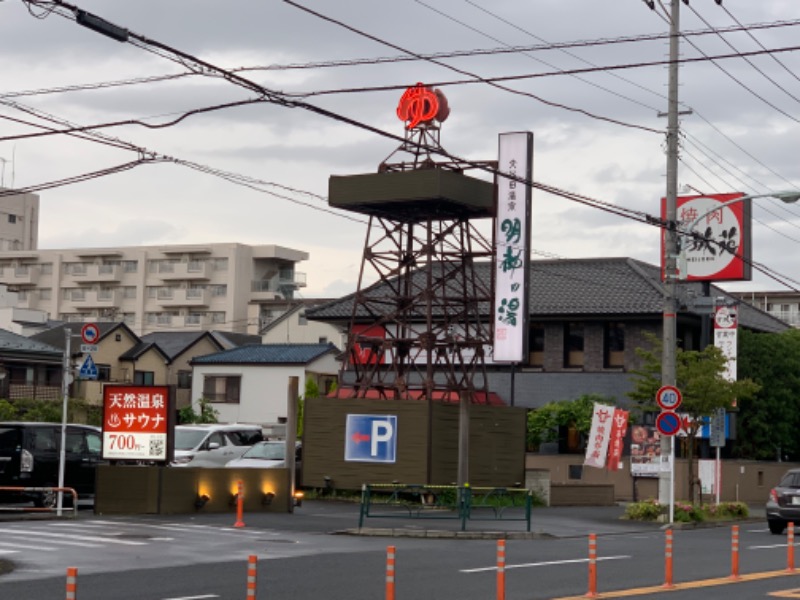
(267, 498)
(201, 501)
(298, 498)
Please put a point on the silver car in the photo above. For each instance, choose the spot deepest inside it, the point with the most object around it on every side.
(213, 445)
(783, 504)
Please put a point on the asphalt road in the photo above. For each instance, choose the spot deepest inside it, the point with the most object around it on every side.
(317, 552)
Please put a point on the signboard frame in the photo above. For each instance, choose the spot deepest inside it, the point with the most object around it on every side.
(512, 242)
(127, 431)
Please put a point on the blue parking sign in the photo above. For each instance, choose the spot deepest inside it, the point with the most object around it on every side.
(371, 438)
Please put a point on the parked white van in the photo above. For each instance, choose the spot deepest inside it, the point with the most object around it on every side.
(213, 445)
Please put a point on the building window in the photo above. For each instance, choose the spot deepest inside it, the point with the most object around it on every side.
(184, 380)
(130, 266)
(536, 345)
(573, 345)
(103, 372)
(12, 218)
(222, 388)
(219, 291)
(143, 378)
(323, 340)
(614, 345)
(129, 292)
(301, 319)
(45, 294)
(46, 268)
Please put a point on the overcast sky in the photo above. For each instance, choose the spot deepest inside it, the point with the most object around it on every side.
(598, 134)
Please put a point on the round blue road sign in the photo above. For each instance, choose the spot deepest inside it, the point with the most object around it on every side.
(668, 422)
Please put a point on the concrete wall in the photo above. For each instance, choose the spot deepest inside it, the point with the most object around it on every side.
(165, 490)
(745, 481)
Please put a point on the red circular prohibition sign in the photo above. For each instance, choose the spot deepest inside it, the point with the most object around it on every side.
(668, 422)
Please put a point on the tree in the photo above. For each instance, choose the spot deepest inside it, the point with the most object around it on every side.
(207, 414)
(699, 377)
(546, 423)
(768, 422)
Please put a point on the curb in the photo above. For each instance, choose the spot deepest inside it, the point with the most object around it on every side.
(444, 534)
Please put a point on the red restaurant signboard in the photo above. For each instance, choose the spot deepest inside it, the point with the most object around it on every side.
(135, 422)
(720, 249)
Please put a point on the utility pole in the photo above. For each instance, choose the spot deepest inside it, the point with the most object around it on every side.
(666, 484)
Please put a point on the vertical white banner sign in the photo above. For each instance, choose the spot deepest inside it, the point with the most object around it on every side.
(725, 330)
(512, 247)
(599, 436)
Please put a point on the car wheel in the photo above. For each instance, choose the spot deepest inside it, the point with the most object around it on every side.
(47, 499)
(776, 527)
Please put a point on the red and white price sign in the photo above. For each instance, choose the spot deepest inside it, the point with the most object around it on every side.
(135, 422)
(669, 397)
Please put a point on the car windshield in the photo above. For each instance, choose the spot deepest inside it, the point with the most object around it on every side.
(272, 451)
(187, 439)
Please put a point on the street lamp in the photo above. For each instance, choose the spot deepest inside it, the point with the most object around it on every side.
(786, 197)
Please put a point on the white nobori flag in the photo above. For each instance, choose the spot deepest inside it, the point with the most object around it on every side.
(599, 435)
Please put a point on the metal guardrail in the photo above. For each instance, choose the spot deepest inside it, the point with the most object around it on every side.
(23, 490)
(465, 503)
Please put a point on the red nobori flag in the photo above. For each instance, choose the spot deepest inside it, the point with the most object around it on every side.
(619, 425)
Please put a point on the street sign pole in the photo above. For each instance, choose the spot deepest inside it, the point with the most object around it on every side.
(65, 400)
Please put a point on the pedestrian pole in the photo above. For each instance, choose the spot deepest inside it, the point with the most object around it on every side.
(239, 505)
(735, 553)
(790, 547)
(72, 583)
(668, 561)
(390, 550)
(251, 577)
(592, 566)
(501, 570)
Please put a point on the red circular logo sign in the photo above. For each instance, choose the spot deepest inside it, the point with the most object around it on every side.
(421, 105)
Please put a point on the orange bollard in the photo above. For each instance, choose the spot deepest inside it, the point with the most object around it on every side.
(239, 505)
(735, 553)
(251, 577)
(592, 566)
(390, 572)
(501, 570)
(72, 583)
(668, 561)
(790, 547)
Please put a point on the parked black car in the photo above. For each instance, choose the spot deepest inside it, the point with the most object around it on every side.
(783, 504)
(29, 457)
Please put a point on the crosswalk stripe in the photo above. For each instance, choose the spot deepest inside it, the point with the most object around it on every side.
(26, 538)
(84, 538)
(26, 547)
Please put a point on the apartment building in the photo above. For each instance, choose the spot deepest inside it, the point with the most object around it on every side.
(222, 286)
(784, 305)
(19, 220)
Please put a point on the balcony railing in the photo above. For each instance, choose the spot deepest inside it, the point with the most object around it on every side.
(194, 269)
(183, 297)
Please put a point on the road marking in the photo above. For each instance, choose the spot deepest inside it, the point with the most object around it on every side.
(26, 547)
(84, 538)
(26, 538)
(688, 585)
(193, 597)
(786, 594)
(547, 563)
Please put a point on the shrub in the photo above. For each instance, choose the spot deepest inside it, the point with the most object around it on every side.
(688, 513)
(685, 512)
(649, 510)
